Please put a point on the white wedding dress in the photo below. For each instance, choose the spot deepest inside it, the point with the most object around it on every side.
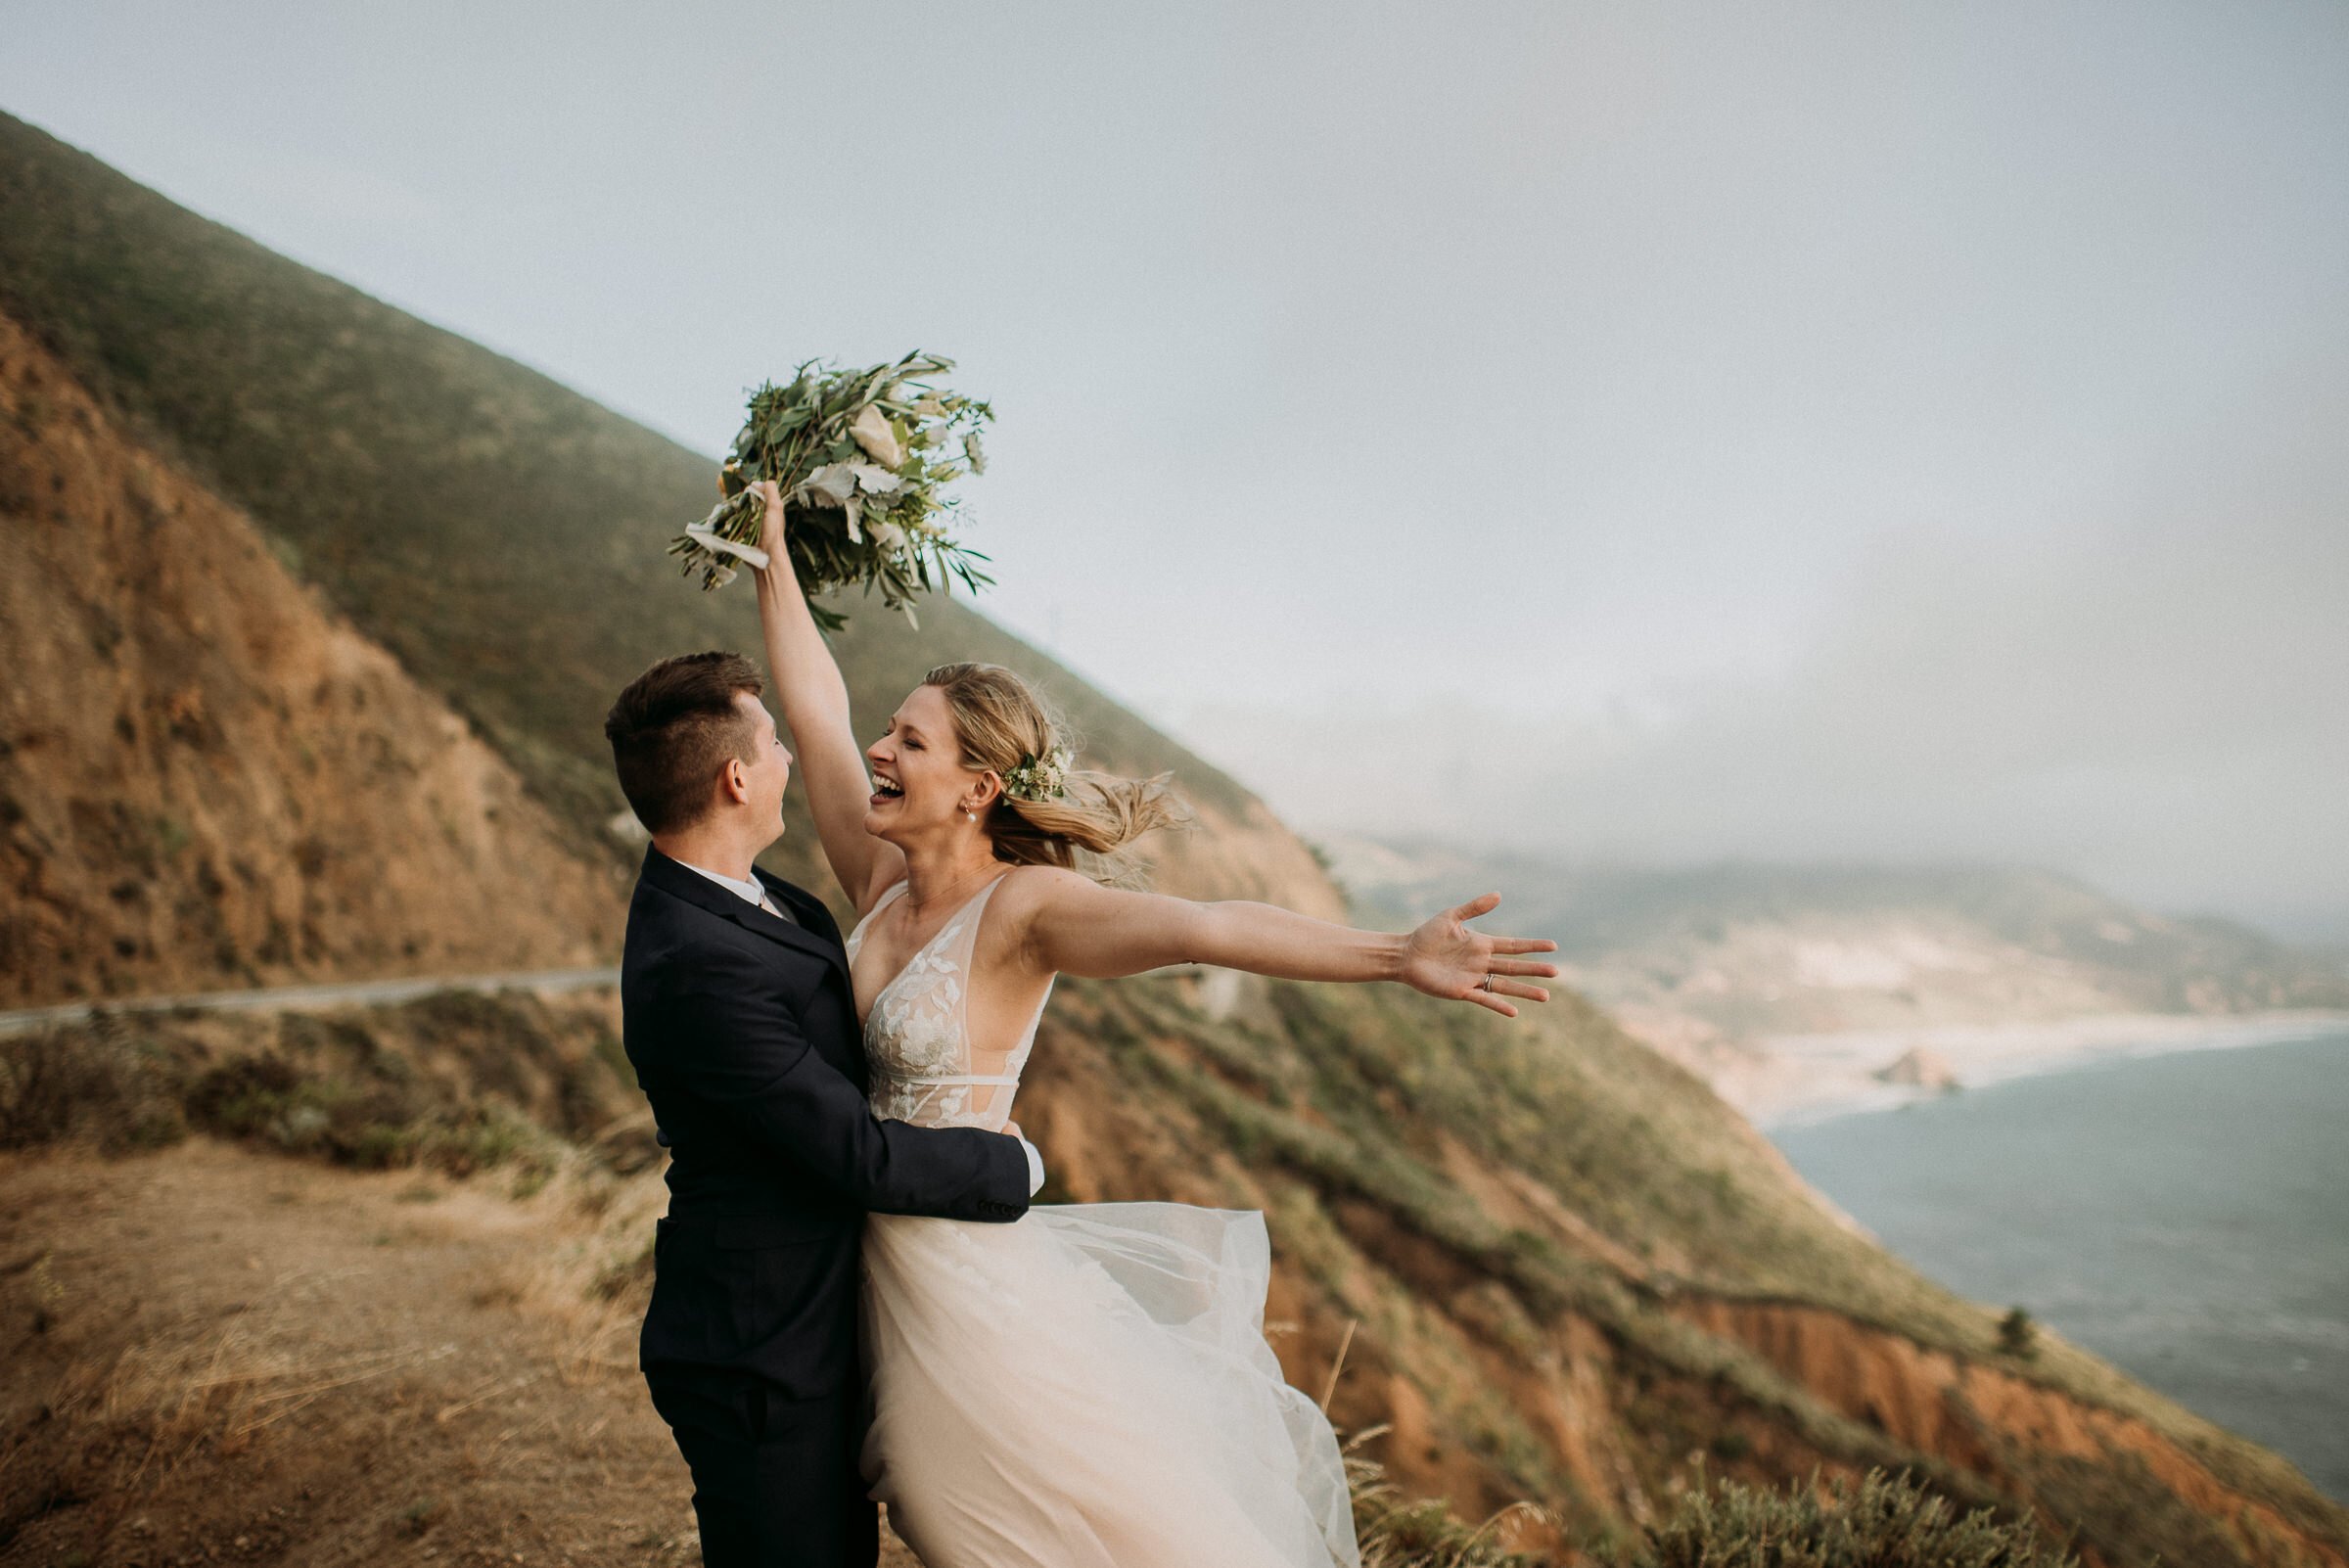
(1090, 1386)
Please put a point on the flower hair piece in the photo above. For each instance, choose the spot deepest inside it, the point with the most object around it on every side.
(1037, 778)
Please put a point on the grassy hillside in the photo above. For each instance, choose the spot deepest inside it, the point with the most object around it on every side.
(1578, 1277)
(497, 532)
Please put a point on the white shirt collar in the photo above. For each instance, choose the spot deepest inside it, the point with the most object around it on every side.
(753, 891)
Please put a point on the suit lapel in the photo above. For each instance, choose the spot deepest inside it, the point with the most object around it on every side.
(818, 937)
(809, 909)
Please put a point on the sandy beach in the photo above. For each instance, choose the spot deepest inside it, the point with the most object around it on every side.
(1793, 1078)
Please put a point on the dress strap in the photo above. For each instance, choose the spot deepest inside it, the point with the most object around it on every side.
(999, 1079)
(856, 935)
(968, 918)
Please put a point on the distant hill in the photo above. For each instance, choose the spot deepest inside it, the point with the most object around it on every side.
(1737, 952)
(1564, 1270)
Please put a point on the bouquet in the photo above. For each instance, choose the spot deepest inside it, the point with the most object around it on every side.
(861, 457)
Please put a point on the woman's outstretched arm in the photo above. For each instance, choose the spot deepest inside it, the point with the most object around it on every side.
(815, 700)
(1078, 927)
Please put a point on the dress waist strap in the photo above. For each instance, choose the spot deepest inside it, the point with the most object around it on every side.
(946, 1077)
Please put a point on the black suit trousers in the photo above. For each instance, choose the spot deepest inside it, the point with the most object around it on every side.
(774, 1479)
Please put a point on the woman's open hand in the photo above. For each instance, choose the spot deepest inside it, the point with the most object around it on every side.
(1445, 958)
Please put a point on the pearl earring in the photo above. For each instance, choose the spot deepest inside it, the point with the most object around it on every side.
(973, 816)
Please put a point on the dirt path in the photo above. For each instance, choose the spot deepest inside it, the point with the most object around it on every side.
(214, 1356)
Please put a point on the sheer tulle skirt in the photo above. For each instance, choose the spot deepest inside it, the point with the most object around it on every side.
(1090, 1387)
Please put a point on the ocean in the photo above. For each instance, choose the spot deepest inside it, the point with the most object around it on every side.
(2185, 1216)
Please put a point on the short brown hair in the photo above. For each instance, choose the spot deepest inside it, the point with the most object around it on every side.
(674, 728)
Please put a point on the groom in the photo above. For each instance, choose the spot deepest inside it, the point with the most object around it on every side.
(740, 1022)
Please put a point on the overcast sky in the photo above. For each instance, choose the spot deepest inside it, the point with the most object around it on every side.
(1647, 430)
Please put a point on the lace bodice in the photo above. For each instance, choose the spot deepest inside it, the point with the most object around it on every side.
(924, 1068)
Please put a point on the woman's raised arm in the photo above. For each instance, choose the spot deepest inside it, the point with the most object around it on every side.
(815, 700)
(1078, 927)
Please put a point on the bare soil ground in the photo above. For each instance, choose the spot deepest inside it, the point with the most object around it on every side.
(217, 1355)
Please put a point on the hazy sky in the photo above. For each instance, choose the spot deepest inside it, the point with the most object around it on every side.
(1644, 430)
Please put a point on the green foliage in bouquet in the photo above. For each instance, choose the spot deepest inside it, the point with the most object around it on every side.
(862, 458)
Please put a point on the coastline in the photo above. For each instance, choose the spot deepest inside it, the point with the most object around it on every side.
(1802, 1078)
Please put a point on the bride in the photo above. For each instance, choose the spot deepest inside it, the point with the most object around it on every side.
(1088, 1386)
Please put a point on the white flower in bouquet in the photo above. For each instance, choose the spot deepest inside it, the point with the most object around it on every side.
(862, 458)
(871, 429)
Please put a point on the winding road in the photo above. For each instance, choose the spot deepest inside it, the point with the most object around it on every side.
(295, 999)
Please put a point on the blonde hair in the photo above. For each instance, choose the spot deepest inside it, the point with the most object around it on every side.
(1000, 721)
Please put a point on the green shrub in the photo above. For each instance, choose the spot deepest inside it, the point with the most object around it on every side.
(369, 1124)
(1887, 1522)
(269, 1099)
(381, 1146)
(481, 1138)
(241, 1097)
(96, 1081)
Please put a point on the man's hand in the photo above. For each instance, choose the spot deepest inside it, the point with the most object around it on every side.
(1445, 958)
(1035, 1159)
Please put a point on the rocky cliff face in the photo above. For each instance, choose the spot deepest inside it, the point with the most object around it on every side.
(207, 779)
(2024, 1438)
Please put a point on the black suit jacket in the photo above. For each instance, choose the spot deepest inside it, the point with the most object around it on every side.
(741, 1029)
